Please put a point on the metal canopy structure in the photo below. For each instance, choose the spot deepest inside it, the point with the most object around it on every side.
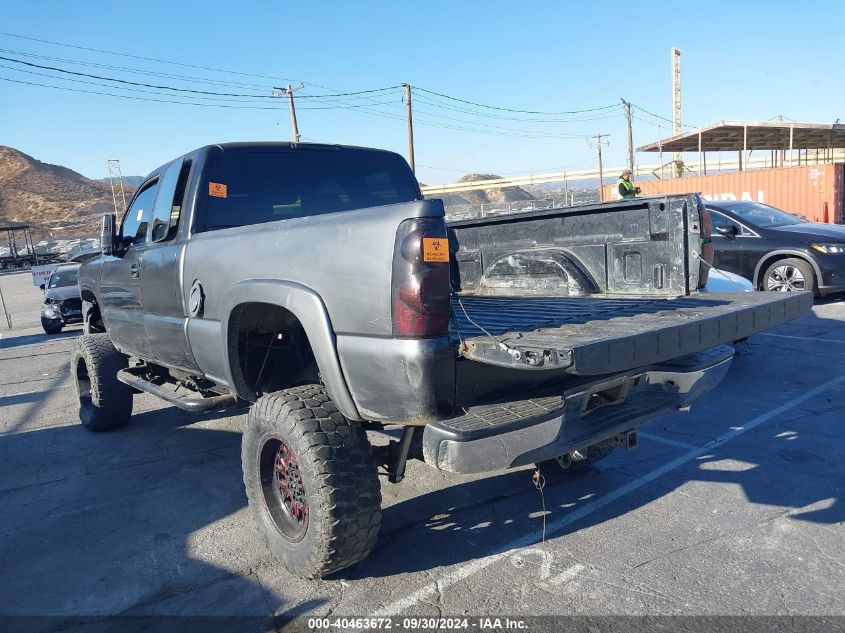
(730, 136)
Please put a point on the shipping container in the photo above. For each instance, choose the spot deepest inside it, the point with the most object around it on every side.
(813, 191)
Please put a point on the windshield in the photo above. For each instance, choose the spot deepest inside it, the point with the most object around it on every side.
(63, 278)
(763, 215)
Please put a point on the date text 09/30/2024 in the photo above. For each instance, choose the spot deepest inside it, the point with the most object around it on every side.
(417, 623)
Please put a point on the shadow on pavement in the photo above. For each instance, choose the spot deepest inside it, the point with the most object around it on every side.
(100, 524)
(108, 523)
(475, 519)
(9, 341)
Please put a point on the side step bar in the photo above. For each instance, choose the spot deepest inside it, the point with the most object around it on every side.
(129, 377)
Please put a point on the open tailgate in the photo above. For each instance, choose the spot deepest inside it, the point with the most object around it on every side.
(598, 335)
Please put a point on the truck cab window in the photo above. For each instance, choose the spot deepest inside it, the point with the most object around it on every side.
(251, 187)
(137, 218)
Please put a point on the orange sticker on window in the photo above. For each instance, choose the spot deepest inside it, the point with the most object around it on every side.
(435, 249)
(217, 189)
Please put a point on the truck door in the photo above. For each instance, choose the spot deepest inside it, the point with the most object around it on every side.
(165, 316)
(120, 282)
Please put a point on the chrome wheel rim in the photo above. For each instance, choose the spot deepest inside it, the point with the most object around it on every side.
(785, 278)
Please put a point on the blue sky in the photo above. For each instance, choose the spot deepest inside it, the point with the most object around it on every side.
(740, 61)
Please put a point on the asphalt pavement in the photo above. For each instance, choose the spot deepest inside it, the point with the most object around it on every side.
(735, 508)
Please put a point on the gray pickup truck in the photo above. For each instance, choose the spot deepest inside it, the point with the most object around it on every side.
(315, 283)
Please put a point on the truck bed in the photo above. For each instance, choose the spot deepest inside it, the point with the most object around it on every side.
(602, 334)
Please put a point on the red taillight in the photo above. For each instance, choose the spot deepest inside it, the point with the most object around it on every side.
(421, 290)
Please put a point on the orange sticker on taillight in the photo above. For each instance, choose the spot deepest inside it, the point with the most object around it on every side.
(435, 249)
(218, 189)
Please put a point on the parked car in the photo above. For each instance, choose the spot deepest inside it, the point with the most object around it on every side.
(776, 250)
(62, 301)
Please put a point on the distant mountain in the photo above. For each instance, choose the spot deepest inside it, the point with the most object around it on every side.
(50, 198)
(483, 196)
(128, 181)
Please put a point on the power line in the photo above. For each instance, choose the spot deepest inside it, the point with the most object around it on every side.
(108, 94)
(657, 116)
(498, 127)
(112, 87)
(483, 105)
(338, 95)
(453, 108)
(514, 133)
(339, 100)
(175, 89)
(151, 92)
(148, 59)
(193, 79)
(165, 61)
(140, 71)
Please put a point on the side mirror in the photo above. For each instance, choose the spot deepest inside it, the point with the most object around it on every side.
(107, 231)
(728, 231)
(42, 286)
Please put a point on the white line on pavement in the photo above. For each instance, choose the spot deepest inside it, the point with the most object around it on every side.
(803, 338)
(665, 440)
(34, 391)
(477, 565)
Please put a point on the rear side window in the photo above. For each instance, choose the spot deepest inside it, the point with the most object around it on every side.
(168, 206)
(137, 218)
(254, 187)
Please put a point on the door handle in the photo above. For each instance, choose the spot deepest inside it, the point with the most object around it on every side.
(134, 271)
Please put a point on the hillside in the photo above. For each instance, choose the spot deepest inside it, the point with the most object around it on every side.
(51, 198)
(128, 181)
(484, 196)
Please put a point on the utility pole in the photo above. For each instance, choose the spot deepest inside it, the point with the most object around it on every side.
(676, 107)
(630, 135)
(410, 126)
(116, 182)
(289, 92)
(598, 138)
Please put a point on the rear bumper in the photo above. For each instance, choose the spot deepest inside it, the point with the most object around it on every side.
(405, 381)
(516, 433)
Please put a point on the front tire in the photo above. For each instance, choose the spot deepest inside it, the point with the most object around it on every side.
(51, 326)
(790, 275)
(105, 403)
(311, 481)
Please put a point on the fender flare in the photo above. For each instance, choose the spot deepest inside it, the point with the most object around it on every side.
(781, 253)
(305, 305)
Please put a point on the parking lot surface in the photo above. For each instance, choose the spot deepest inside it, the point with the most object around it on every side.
(734, 508)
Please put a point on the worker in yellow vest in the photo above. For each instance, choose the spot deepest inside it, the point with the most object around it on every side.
(626, 187)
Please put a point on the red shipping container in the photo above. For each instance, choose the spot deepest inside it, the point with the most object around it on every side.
(813, 191)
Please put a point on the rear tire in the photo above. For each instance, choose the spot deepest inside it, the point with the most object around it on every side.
(311, 481)
(789, 275)
(105, 403)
